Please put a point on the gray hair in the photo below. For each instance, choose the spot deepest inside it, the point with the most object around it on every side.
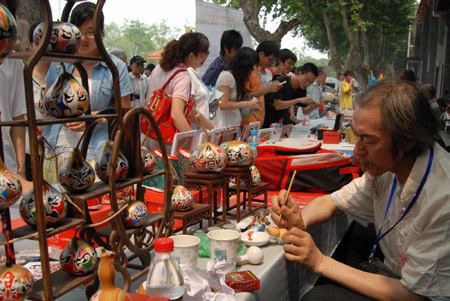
(118, 52)
(405, 113)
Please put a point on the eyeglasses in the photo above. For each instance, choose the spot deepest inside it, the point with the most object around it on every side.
(88, 34)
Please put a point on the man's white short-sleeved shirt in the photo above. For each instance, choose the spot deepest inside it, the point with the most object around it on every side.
(418, 248)
(12, 104)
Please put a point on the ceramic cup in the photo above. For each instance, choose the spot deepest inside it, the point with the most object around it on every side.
(185, 249)
(223, 246)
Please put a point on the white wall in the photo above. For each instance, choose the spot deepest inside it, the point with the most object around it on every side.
(212, 20)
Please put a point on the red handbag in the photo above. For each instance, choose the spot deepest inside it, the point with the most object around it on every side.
(159, 106)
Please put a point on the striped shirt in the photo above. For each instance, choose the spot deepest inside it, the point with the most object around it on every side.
(179, 86)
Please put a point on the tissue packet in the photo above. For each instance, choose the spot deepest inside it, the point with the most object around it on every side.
(243, 281)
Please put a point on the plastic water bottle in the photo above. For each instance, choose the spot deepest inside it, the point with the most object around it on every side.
(253, 141)
(164, 278)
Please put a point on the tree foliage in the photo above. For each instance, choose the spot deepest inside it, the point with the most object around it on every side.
(359, 35)
(138, 38)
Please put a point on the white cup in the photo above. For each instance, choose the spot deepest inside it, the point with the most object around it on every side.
(185, 249)
(223, 246)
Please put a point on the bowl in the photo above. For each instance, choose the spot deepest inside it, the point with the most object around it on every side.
(254, 238)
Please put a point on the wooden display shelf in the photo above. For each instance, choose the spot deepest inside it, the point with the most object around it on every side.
(62, 283)
(58, 120)
(150, 219)
(57, 57)
(64, 225)
(101, 188)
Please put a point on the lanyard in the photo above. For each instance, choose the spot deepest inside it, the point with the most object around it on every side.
(413, 201)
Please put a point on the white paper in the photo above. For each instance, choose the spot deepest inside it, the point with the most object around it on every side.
(200, 285)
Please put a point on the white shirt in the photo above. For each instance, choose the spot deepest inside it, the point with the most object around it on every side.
(227, 118)
(315, 92)
(199, 91)
(266, 77)
(12, 104)
(139, 87)
(418, 248)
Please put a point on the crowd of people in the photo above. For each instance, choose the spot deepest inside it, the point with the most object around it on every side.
(395, 122)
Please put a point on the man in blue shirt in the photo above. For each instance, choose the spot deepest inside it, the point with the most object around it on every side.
(230, 42)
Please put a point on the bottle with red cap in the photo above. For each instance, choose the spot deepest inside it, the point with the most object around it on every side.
(164, 278)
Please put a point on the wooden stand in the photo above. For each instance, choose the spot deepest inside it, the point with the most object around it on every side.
(197, 214)
(240, 174)
(212, 182)
(251, 194)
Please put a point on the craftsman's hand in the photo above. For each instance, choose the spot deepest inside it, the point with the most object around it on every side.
(290, 211)
(77, 126)
(294, 119)
(300, 248)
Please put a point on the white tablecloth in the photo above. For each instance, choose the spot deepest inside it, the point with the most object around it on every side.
(284, 280)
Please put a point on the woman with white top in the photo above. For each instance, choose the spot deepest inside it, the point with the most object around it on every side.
(232, 83)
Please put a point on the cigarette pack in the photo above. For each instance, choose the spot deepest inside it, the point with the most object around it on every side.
(243, 281)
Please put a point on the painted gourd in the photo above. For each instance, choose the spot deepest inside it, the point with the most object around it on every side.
(104, 161)
(182, 199)
(64, 38)
(66, 97)
(135, 215)
(78, 258)
(238, 153)
(10, 187)
(148, 161)
(256, 176)
(208, 157)
(107, 275)
(16, 282)
(55, 206)
(76, 174)
(8, 32)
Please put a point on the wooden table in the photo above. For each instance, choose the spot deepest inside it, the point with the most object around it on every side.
(197, 214)
(213, 182)
(240, 174)
(250, 193)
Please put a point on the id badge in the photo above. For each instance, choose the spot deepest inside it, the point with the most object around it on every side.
(378, 267)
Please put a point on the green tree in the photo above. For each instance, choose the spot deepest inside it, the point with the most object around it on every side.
(138, 38)
(359, 35)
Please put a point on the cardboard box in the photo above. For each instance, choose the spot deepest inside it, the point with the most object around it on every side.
(332, 137)
(243, 281)
(320, 133)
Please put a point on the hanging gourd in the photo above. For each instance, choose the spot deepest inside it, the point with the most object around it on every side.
(78, 258)
(104, 161)
(55, 206)
(8, 32)
(64, 37)
(66, 97)
(10, 187)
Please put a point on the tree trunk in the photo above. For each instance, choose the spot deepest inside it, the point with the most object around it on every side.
(365, 42)
(335, 60)
(251, 20)
(380, 49)
(353, 61)
(28, 13)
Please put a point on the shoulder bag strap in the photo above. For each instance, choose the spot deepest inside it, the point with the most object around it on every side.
(170, 78)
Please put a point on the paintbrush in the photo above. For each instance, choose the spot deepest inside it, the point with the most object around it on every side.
(287, 193)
